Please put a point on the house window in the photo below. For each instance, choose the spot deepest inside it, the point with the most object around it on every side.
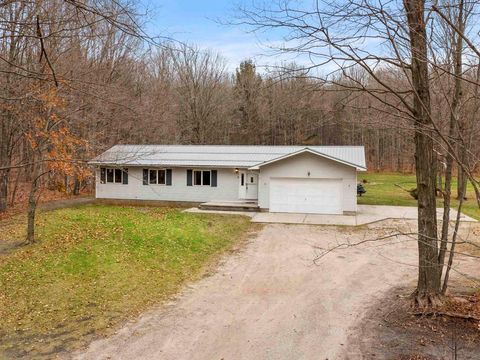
(113, 176)
(157, 177)
(110, 175)
(206, 178)
(202, 177)
(118, 176)
(153, 177)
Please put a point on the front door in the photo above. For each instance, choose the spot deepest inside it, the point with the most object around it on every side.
(248, 185)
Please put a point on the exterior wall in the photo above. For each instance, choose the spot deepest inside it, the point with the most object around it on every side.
(226, 189)
(298, 167)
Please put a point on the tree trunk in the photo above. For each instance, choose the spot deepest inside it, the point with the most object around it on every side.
(453, 132)
(3, 190)
(461, 177)
(13, 194)
(32, 210)
(429, 285)
(76, 186)
(446, 206)
(5, 158)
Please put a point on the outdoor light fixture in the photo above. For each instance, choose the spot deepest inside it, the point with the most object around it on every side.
(236, 170)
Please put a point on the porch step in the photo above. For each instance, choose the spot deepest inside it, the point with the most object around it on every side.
(230, 206)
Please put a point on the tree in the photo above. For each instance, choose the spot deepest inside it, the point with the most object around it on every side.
(247, 94)
(199, 79)
(54, 148)
(429, 275)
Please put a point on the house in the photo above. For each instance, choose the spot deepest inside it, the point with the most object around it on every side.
(299, 179)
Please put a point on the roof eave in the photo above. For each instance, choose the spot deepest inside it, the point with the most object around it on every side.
(191, 166)
(301, 151)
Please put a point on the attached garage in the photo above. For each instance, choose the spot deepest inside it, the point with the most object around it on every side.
(308, 182)
(303, 195)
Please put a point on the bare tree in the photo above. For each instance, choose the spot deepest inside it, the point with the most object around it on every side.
(199, 76)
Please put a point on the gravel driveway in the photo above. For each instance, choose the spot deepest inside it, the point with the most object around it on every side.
(269, 301)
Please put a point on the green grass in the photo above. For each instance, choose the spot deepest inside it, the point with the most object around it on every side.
(96, 266)
(381, 190)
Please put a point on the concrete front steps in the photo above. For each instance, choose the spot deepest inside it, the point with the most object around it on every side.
(230, 206)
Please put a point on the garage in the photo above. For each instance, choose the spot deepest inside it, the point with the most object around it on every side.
(303, 195)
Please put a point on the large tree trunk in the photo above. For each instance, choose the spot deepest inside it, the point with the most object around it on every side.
(429, 286)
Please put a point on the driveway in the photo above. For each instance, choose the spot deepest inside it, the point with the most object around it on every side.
(366, 214)
(269, 301)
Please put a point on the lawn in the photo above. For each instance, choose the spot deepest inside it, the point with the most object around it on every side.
(381, 190)
(96, 266)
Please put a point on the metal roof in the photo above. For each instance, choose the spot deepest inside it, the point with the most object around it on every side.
(241, 156)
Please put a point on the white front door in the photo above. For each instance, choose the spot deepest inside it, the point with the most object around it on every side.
(303, 195)
(248, 185)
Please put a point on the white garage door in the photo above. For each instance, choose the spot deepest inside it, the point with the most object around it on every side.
(298, 195)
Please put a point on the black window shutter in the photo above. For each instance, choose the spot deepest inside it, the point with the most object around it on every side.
(103, 178)
(145, 176)
(214, 178)
(125, 176)
(189, 177)
(168, 177)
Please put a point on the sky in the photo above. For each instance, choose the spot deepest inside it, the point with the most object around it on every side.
(198, 22)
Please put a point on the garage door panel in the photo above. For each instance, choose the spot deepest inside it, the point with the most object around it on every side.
(318, 196)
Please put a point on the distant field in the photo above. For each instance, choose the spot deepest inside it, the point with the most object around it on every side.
(96, 266)
(381, 190)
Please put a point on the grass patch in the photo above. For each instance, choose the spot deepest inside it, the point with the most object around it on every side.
(96, 266)
(381, 190)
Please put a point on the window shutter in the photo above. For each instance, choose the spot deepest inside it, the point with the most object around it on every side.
(145, 176)
(125, 176)
(168, 180)
(189, 177)
(214, 178)
(103, 178)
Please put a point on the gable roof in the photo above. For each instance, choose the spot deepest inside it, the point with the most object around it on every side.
(229, 156)
(309, 151)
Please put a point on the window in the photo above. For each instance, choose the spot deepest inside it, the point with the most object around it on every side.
(157, 177)
(103, 176)
(201, 177)
(242, 181)
(161, 177)
(109, 175)
(118, 175)
(113, 176)
(206, 178)
(153, 176)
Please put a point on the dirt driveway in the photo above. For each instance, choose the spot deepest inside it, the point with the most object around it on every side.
(269, 301)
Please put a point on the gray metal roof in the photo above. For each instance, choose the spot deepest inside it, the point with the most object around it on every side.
(241, 156)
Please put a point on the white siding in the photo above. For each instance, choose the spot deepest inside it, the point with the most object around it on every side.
(226, 189)
(319, 168)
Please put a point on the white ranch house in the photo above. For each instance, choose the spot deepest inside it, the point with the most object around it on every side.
(297, 179)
